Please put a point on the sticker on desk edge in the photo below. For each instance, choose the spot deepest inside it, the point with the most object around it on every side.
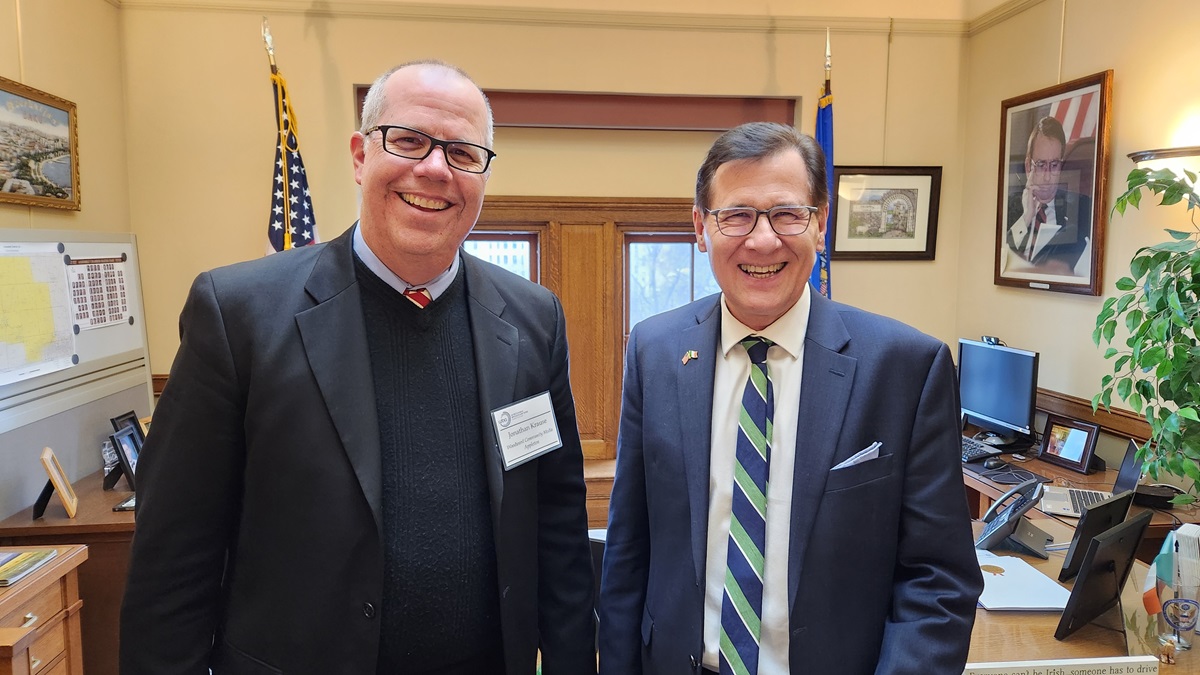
(526, 429)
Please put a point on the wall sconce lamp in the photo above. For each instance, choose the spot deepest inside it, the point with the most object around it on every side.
(1164, 153)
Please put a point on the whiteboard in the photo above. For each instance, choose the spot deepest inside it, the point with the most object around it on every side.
(62, 387)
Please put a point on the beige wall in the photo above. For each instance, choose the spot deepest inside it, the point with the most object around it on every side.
(71, 48)
(200, 103)
(176, 126)
(1021, 55)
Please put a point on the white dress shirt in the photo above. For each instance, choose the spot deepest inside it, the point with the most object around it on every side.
(1047, 230)
(785, 362)
(436, 287)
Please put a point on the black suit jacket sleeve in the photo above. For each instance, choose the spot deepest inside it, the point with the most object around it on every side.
(566, 585)
(187, 503)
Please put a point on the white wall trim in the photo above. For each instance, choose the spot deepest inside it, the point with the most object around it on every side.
(564, 17)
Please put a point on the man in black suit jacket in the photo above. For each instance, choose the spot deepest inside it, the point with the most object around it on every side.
(868, 565)
(322, 490)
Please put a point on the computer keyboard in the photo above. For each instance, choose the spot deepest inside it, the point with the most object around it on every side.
(973, 450)
(1085, 498)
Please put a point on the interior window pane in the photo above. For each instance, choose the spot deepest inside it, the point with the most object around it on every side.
(706, 283)
(660, 278)
(512, 255)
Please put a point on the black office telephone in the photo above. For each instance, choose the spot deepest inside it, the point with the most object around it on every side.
(1008, 524)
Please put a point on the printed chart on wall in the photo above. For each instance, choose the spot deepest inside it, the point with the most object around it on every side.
(98, 296)
(36, 330)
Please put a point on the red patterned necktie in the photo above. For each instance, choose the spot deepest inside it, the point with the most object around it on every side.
(419, 296)
(1033, 234)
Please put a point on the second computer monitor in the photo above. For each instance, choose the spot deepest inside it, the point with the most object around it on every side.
(997, 386)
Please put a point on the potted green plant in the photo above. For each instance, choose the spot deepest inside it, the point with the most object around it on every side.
(1157, 371)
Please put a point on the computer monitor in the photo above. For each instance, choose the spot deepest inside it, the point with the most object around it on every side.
(997, 388)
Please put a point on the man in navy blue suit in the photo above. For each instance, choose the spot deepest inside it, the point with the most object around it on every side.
(865, 563)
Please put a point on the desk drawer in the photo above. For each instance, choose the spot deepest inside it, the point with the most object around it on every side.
(38, 611)
(60, 668)
(48, 647)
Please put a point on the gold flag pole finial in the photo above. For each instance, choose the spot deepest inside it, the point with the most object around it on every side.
(269, 44)
(828, 62)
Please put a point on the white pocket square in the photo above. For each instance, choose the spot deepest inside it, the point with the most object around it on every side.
(866, 454)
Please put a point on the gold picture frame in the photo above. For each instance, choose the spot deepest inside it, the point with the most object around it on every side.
(58, 478)
(44, 170)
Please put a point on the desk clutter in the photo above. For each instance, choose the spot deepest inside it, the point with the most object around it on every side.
(15, 565)
(1171, 593)
(1006, 474)
(1101, 554)
(1010, 583)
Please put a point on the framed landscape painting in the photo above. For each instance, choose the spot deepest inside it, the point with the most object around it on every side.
(39, 150)
(885, 212)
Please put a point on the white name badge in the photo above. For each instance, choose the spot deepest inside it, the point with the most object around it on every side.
(526, 429)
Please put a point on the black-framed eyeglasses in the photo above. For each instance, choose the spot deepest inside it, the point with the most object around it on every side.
(413, 144)
(786, 221)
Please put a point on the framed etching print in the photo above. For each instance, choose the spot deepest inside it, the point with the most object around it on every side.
(39, 150)
(1050, 212)
(885, 212)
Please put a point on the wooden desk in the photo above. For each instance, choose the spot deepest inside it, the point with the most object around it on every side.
(1029, 636)
(981, 492)
(39, 618)
(108, 536)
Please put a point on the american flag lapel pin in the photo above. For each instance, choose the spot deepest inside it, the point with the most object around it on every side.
(689, 355)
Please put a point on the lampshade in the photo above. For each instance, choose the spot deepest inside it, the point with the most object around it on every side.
(1165, 153)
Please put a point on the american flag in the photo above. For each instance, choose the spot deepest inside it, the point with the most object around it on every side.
(291, 220)
(1078, 114)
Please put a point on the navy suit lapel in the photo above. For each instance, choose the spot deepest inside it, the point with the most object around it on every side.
(497, 344)
(824, 396)
(695, 390)
(335, 343)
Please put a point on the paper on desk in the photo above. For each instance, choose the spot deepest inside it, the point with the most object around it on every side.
(1012, 583)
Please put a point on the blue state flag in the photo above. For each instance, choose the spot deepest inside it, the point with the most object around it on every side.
(821, 273)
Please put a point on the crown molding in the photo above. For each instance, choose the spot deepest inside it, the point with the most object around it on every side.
(1000, 14)
(563, 18)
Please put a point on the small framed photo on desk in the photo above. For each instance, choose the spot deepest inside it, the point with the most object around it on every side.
(1068, 443)
(127, 444)
(58, 483)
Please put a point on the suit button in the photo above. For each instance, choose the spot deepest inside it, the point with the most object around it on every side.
(368, 610)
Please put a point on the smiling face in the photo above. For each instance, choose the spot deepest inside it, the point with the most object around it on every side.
(416, 213)
(761, 274)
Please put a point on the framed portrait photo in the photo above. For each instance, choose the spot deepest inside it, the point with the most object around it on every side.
(1068, 443)
(130, 419)
(1050, 212)
(39, 148)
(127, 442)
(884, 212)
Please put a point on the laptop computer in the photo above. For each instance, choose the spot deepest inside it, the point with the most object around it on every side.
(1069, 502)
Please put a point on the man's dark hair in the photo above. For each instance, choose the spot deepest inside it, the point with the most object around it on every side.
(759, 140)
(1050, 128)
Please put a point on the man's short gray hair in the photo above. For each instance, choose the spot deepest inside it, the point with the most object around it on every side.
(376, 99)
